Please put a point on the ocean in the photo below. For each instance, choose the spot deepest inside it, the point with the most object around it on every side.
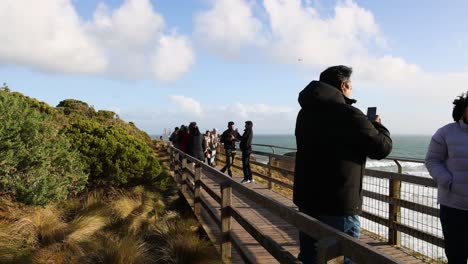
(409, 147)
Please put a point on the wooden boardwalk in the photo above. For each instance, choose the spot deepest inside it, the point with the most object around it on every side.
(246, 249)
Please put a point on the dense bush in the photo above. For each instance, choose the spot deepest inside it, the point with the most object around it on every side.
(76, 110)
(114, 157)
(37, 164)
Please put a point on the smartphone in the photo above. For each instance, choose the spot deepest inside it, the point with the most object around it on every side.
(372, 113)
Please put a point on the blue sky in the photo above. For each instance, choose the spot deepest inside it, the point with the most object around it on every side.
(164, 63)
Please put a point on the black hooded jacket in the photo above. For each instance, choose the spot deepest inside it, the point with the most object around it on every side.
(229, 137)
(333, 141)
(196, 145)
(246, 140)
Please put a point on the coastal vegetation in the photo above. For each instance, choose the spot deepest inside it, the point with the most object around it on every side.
(79, 185)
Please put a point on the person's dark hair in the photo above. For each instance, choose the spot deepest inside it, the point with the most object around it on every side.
(249, 123)
(459, 106)
(176, 128)
(230, 123)
(335, 75)
(193, 129)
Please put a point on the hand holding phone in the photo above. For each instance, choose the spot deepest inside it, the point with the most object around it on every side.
(372, 113)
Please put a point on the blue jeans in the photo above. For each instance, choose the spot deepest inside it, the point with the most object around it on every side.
(348, 224)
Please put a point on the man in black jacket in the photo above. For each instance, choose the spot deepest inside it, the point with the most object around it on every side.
(246, 148)
(228, 138)
(333, 141)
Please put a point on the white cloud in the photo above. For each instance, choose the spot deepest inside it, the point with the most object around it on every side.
(47, 35)
(266, 118)
(172, 58)
(228, 26)
(123, 42)
(299, 32)
(134, 39)
(187, 105)
(134, 25)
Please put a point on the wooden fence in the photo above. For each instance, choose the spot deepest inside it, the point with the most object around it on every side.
(278, 170)
(331, 242)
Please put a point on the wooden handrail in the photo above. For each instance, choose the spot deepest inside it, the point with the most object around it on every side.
(396, 179)
(341, 243)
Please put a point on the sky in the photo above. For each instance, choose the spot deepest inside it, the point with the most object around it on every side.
(161, 63)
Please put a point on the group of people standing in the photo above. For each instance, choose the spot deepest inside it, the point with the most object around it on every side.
(203, 147)
(191, 141)
(229, 138)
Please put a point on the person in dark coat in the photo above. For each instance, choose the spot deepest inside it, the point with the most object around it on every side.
(228, 138)
(196, 144)
(245, 146)
(182, 137)
(333, 139)
(173, 138)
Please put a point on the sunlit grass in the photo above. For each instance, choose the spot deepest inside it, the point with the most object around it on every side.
(113, 249)
(177, 241)
(101, 226)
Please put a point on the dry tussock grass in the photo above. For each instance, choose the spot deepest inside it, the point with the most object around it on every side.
(111, 248)
(101, 227)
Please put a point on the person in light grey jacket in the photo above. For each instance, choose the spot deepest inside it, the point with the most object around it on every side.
(447, 162)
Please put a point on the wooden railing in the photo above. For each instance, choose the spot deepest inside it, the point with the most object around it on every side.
(394, 180)
(331, 242)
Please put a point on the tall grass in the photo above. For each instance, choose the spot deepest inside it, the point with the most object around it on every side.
(101, 226)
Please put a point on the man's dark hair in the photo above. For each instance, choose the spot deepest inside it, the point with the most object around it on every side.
(230, 123)
(249, 123)
(459, 106)
(176, 128)
(193, 129)
(335, 75)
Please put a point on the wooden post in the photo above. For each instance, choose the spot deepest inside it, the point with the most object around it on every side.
(197, 205)
(270, 175)
(176, 167)
(226, 191)
(328, 249)
(394, 212)
(183, 175)
(171, 159)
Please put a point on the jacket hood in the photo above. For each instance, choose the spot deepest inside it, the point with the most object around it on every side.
(320, 92)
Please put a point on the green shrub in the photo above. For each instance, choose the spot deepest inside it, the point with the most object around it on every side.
(36, 162)
(114, 157)
(76, 110)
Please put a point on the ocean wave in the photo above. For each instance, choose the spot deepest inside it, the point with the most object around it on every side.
(389, 163)
(379, 164)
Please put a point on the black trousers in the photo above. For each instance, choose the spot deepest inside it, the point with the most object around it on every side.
(246, 165)
(455, 228)
(230, 155)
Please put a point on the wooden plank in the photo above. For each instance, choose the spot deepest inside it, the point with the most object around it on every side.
(403, 203)
(428, 182)
(197, 177)
(268, 243)
(226, 193)
(211, 211)
(420, 235)
(215, 196)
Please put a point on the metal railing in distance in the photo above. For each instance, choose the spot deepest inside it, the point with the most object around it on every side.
(398, 207)
(332, 243)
